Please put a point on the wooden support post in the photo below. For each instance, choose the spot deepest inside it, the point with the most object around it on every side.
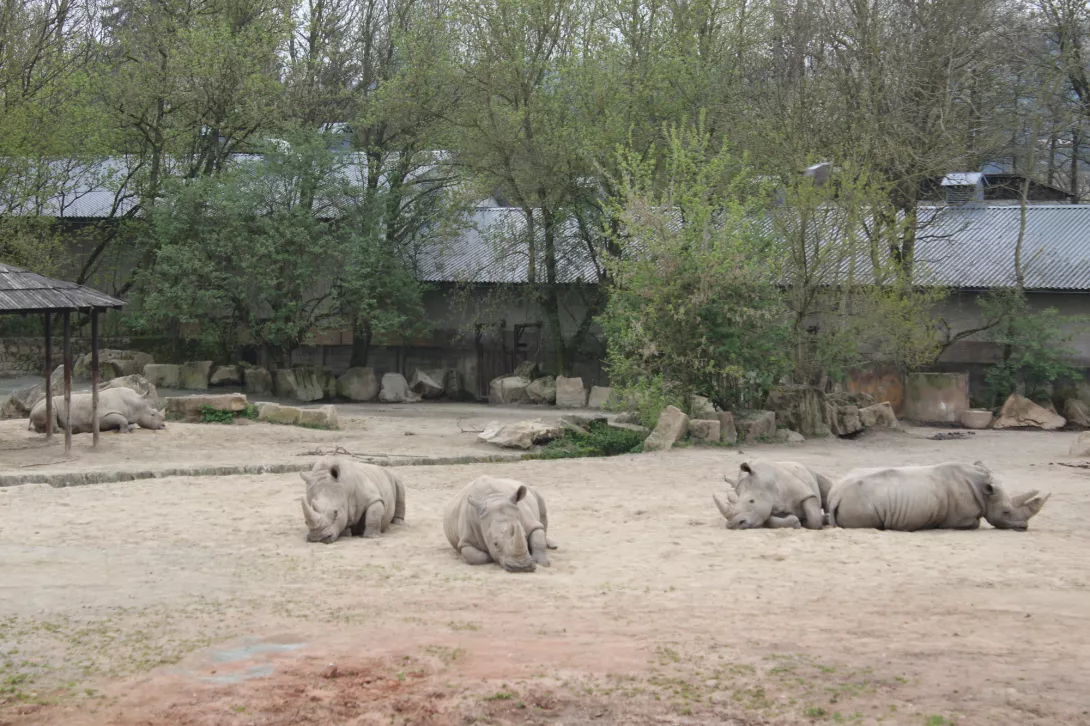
(94, 377)
(67, 383)
(49, 377)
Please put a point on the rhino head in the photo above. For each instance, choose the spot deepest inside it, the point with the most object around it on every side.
(151, 418)
(325, 506)
(748, 504)
(503, 533)
(1006, 512)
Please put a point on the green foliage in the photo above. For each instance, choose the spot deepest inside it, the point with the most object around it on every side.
(693, 307)
(1034, 346)
(601, 440)
(214, 415)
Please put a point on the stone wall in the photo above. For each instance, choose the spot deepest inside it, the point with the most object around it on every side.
(27, 355)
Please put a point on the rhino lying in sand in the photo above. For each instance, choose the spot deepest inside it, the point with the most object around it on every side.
(943, 496)
(118, 408)
(774, 494)
(499, 520)
(349, 496)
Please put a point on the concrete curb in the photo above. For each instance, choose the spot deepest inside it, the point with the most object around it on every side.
(75, 479)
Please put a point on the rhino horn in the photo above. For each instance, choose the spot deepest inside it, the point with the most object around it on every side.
(730, 481)
(1019, 500)
(1034, 504)
(309, 514)
(725, 505)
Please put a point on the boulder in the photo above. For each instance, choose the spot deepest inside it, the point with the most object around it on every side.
(194, 375)
(299, 384)
(976, 418)
(395, 389)
(843, 420)
(584, 420)
(630, 427)
(277, 414)
(112, 363)
(704, 430)
(799, 408)
(1020, 412)
(163, 375)
(358, 384)
(627, 417)
(508, 389)
(188, 408)
(542, 390)
(672, 426)
(528, 369)
(324, 417)
(1076, 414)
(850, 398)
(424, 385)
(570, 392)
(257, 381)
(136, 382)
(728, 432)
(702, 408)
(521, 435)
(878, 416)
(599, 397)
(19, 403)
(790, 437)
(1081, 445)
(755, 425)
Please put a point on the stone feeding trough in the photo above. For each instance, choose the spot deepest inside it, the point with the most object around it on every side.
(976, 418)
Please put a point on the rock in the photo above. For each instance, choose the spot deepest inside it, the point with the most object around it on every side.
(508, 389)
(599, 397)
(976, 418)
(584, 420)
(569, 426)
(226, 376)
(358, 384)
(1019, 411)
(630, 427)
(728, 432)
(163, 375)
(570, 392)
(121, 363)
(194, 375)
(843, 420)
(277, 414)
(136, 382)
(299, 384)
(19, 403)
(704, 429)
(789, 436)
(257, 381)
(188, 408)
(395, 389)
(702, 408)
(424, 385)
(850, 398)
(1081, 445)
(324, 417)
(521, 435)
(799, 408)
(878, 416)
(529, 370)
(542, 390)
(672, 426)
(1075, 413)
(756, 425)
(627, 417)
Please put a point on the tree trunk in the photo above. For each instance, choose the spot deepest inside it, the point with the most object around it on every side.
(361, 344)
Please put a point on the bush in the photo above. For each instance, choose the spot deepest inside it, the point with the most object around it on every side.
(601, 440)
(214, 415)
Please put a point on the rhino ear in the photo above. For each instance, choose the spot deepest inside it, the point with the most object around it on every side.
(520, 494)
(335, 471)
(746, 467)
(980, 465)
(304, 477)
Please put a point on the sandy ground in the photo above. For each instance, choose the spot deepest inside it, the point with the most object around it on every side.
(196, 600)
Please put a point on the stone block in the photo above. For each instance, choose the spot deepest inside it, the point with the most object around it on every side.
(324, 417)
(358, 384)
(672, 426)
(257, 381)
(704, 430)
(728, 432)
(599, 397)
(277, 414)
(188, 408)
(755, 425)
(163, 375)
(194, 375)
(570, 392)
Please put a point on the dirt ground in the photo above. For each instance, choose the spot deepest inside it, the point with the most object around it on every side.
(197, 600)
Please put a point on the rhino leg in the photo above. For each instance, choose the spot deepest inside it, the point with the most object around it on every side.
(790, 521)
(113, 420)
(475, 556)
(372, 521)
(539, 547)
(551, 544)
(399, 503)
(813, 518)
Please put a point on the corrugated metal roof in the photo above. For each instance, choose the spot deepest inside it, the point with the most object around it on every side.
(24, 291)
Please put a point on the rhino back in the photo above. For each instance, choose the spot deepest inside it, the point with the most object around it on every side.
(906, 499)
(789, 483)
(459, 519)
(364, 485)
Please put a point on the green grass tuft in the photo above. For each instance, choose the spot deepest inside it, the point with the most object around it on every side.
(601, 440)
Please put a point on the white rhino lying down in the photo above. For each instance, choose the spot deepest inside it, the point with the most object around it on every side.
(348, 496)
(774, 494)
(943, 496)
(118, 408)
(499, 520)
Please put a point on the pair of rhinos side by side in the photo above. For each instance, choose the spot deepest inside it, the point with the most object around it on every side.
(491, 520)
(907, 498)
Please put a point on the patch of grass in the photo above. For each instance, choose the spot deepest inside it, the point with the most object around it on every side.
(936, 720)
(500, 696)
(213, 415)
(601, 439)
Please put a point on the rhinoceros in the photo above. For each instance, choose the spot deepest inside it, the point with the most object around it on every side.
(348, 496)
(941, 496)
(499, 520)
(774, 494)
(118, 408)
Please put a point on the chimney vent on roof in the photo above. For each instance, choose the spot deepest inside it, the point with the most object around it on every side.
(963, 188)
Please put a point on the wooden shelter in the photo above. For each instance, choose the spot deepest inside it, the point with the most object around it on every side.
(27, 293)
